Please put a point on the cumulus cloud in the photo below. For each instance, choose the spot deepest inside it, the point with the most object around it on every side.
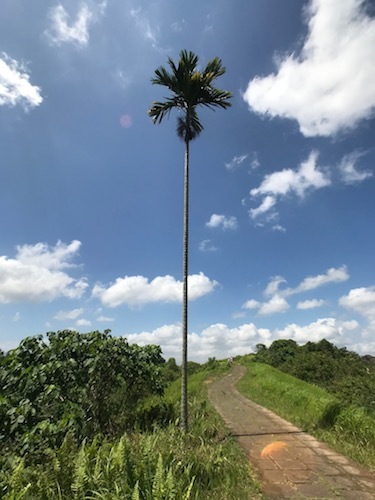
(83, 322)
(307, 177)
(251, 304)
(217, 340)
(137, 290)
(324, 328)
(221, 341)
(310, 304)
(273, 286)
(64, 30)
(37, 273)
(362, 301)
(349, 171)
(340, 44)
(264, 208)
(277, 302)
(223, 222)
(15, 86)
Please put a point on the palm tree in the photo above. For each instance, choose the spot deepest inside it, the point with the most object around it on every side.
(190, 88)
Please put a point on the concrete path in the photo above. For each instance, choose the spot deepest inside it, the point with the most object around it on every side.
(289, 462)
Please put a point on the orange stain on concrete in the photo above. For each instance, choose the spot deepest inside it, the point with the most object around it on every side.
(272, 448)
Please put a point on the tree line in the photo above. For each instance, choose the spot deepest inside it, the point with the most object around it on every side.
(339, 370)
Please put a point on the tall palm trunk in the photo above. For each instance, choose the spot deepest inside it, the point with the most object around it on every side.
(190, 89)
(184, 397)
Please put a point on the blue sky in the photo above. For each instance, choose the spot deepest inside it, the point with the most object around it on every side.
(282, 241)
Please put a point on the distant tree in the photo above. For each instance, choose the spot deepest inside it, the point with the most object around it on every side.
(340, 371)
(260, 348)
(190, 88)
(281, 350)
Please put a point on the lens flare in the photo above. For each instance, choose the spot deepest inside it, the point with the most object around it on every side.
(126, 121)
(272, 448)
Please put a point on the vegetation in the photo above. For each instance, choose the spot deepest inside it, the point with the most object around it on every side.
(82, 383)
(190, 89)
(66, 449)
(343, 373)
(331, 416)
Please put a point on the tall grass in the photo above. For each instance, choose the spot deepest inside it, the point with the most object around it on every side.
(349, 429)
(163, 464)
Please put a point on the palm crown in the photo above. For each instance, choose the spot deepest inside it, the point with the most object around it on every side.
(190, 88)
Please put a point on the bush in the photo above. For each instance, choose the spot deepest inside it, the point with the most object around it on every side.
(82, 383)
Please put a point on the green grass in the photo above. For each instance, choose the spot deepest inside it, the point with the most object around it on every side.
(350, 430)
(164, 464)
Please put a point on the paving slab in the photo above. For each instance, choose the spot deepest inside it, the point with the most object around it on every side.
(289, 462)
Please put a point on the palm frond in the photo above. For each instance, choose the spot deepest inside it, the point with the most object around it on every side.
(189, 127)
(159, 110)
(190, 88)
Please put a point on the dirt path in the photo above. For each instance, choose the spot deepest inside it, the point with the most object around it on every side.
(289, 462)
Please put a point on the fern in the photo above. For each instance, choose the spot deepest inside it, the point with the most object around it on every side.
(20, 495)
(157, 485)
(135, 495)
(80, 476)
(170, 485)
(15, 481)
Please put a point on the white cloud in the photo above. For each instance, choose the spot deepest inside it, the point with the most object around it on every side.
(73, 314)
(235, 162)
(16, 317)
(310, 304)
(348, 169)
(178, 26)
(217, 340)
(207, 246)
(222, 221)
(221, 341)
(143, 24)
(77, 31)
(329, 86)
(15, 86)
(255, 163)
(137, 290)
(273, 286)
(264, 208)
(36, 274)
(287, 182)
(83, 322)
(362, 301)
(276, 304)
(278, 227)
(277, 297)
(105, 319)
(332, 275)
(251, 304)
(324, 328)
